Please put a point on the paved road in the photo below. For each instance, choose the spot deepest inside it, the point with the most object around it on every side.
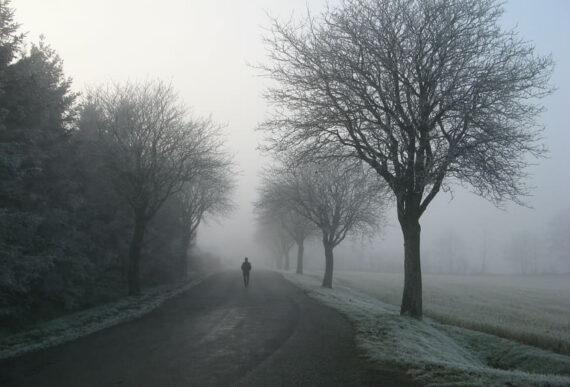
(216, 334)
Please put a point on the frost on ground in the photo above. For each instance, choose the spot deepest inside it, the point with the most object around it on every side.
(434, 353)
(533, 310)
(76, 325)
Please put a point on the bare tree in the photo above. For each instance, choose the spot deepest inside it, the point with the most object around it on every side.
(299, 228)
(523, 251)
(559, 239)
(206, 190)
(425, 92)
(337, 197)
(450, 249)
(271, 233)
(484, 248)
(147, 142)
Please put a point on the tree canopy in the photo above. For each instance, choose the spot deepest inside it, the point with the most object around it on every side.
(425, 92)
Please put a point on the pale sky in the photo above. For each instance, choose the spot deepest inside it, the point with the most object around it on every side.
(204, 46)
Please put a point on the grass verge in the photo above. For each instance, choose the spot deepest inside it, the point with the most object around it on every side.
(534, 310)
(83, 323)
(435, 353)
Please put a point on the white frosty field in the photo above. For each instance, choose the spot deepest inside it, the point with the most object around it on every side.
(435, 353)
(533, 310)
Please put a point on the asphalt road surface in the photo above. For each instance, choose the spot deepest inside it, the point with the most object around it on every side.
(216, 334)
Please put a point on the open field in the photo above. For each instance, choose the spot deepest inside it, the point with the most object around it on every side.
(533, 310)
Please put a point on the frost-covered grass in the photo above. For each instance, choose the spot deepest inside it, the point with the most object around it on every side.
(533, 310)
(73, 326)
(435, 353)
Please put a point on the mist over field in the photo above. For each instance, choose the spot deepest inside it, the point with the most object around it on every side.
(223, 38)
(395, 170)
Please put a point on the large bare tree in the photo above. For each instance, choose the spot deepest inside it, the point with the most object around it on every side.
(339, 198)
(425, 92)
(148, 143)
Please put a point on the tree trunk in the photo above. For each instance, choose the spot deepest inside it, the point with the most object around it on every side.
(300, 252)
(184, 246)
(135, 255)
(412, 297)
(327, 279)
(287, 261)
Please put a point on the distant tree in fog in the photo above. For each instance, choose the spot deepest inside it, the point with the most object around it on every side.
(484, 249)
(299, 228)
(147, 143)
(450, 253)
(272, 208)
(559, 238)
(337, 197)
(523, 251)
(206, 189)
(426, 92)
(272, 234)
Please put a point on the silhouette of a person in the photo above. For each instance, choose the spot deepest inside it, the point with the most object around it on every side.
(245, 269)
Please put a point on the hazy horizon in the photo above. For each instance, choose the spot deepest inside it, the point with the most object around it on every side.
(205, 47)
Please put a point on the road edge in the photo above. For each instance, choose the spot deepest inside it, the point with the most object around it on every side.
(77, 325)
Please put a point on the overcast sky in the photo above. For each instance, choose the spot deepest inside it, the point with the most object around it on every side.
(204, 47)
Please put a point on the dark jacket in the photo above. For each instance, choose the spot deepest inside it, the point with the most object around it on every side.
(246, 267)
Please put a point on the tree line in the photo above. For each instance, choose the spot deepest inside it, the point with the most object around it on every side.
(540, 250)
(101, 193)
(330, 200)
(427, 94)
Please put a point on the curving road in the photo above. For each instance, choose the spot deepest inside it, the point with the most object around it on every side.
(216, 334)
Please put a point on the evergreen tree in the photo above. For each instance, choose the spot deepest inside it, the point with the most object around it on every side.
(38, 195)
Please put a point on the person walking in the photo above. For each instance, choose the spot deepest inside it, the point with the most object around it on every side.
(245, 269)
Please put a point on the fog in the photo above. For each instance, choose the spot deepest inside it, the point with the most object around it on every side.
(260, 193)
(206, 49)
